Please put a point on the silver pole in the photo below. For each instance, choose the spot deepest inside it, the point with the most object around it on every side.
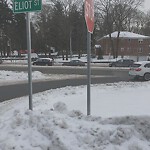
(88, 72)
(70, 45)
(29, 59)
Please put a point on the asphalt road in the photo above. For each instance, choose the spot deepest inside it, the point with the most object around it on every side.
(69, 70)
(99, 76)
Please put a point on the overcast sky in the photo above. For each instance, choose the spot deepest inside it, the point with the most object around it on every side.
(147, 5)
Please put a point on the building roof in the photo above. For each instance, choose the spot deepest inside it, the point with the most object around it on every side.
(125, 34)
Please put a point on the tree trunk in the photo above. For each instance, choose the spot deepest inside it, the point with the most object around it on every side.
(112, 46)
(117, 44)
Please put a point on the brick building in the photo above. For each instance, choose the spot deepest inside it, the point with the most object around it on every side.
(130, 44)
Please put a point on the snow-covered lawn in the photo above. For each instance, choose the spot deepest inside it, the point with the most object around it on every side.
(120, 119)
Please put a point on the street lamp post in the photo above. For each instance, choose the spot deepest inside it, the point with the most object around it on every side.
(70, 45)
(1, 42)
(9, 44)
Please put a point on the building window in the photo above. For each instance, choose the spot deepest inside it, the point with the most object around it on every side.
(140, 41)
(140, 50)
(128, 49)
(122, 49)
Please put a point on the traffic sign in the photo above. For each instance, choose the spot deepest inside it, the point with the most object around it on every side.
(21, 6)
(89, 14)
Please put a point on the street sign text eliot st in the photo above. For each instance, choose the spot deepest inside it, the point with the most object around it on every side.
(89, 15)
(21, 6)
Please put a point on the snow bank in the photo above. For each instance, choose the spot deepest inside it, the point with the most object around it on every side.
(14, 76)
(59, 129)
(120, 119)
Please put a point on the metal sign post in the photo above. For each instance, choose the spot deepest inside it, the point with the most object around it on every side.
(29, 59)
(88, 73)
(22, 6)
(89, 18)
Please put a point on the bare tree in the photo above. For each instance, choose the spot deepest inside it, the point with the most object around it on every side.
(115, 15)
(123, 9)
(105, 13)
(138, 22)
(145, 28)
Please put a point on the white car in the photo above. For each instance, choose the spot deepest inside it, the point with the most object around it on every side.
(140, 69)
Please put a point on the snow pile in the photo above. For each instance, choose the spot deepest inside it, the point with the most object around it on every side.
(19, 76)
(59, 129)
(120, 119)
(13, 76)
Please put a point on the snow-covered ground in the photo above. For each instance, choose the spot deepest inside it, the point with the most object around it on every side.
(11, 77)
(119, 120)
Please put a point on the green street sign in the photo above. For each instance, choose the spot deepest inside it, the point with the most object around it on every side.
(21, 6)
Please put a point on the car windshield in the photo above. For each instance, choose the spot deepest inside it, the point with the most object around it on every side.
(136, 65)
(120, 61)
(45, 60)
(74, 61)
(39, 60)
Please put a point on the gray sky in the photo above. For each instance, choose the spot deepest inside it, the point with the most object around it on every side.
(147, 5)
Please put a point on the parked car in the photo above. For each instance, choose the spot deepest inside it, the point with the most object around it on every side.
(43, 62)
(122, 63)
(74, 63)
(140, 69)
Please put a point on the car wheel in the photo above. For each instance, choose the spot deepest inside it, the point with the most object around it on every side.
(147, 76)
(113, 65)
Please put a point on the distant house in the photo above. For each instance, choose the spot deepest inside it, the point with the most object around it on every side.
(130, 44)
